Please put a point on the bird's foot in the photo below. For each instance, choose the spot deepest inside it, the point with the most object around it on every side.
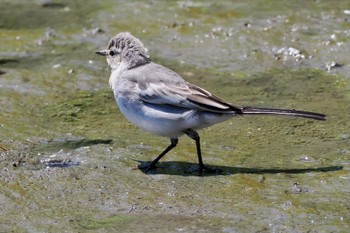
(146, 167)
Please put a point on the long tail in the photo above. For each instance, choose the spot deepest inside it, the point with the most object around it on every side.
(285, 112)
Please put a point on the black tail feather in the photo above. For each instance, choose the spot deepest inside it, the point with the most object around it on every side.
(285, 112)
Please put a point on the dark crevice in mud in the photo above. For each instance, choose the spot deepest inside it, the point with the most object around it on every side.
(53, 5)
(4, 61)
(56, 153)
(74, 144)
(59, 163)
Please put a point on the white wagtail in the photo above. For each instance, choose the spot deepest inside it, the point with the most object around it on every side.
(160, 101)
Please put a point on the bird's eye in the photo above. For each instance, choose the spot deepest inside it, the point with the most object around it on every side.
(112, 53)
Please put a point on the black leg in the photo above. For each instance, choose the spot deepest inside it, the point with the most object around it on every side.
(152, 164)
(194, 135)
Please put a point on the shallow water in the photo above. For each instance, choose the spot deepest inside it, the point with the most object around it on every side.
(69, 158)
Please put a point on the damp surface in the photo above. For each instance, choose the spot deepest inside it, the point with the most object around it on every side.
(69, 159)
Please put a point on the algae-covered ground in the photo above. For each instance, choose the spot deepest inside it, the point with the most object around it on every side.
(69, 159)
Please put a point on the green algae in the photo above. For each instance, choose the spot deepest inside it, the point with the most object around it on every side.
(55, 15)
(112, 222)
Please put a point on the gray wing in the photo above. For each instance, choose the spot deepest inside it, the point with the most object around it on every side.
(167, 87)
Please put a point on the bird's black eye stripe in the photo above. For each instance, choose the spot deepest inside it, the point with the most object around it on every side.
(114, 52)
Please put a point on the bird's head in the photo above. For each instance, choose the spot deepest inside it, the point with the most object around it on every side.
(124, 47)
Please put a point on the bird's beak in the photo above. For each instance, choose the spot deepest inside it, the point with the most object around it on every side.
(102, 52)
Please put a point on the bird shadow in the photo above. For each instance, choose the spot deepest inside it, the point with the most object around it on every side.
(191, 169)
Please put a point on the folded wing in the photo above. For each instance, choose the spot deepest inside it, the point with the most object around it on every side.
(185, 95)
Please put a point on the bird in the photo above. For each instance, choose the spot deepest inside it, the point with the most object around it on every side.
(160, 101)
